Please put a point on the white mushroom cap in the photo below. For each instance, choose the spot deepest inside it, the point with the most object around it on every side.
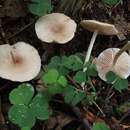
(104, 63)
(19, 62)
(55, 27)
(102, 28)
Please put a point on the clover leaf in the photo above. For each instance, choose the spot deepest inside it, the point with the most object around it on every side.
(111, 77)
(26, 108)
(69, 94)
(40, 107)
(73, 96)
(79, 96)
(40, 7)
(59, 86)
(80, 77)
(51, 76)
(91, 70)
(111, 2)
(56, 63)
(100, 126)
(62, 81)
(121, 84)
(56, 82)
(22, 116)
(118, 83)
(21, 95)
(25, 128)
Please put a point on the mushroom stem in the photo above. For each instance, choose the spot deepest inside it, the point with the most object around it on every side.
(125, 48)
(88, 54)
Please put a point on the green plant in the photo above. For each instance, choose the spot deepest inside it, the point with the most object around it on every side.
(118, 83)
(63, 75)
(111, 2)
(56, 83)
(73, 96)
(27, 107)
(40, 7)
(100, 126)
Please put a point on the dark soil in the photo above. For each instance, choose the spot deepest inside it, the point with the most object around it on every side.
(17, 24)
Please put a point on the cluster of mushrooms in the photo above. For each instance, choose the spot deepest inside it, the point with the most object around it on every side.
(21, 61)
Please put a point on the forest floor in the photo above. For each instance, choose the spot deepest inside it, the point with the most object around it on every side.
(17, 24)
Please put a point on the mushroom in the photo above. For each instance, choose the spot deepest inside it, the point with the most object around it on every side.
(19, 62)
(55, 27)
(98, 28)
(105, 63)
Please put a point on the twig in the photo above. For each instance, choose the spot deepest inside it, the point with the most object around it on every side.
(125, 115)
(21, 30)
(99, 108)
(73, 82)
(90, 116)
(2, 34)
(109, 95)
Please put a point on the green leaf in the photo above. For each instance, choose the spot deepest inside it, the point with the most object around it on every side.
(67, 62)
(100, 126)
(69, 94)
(79, 96)
(77, 62)
(55, 62)
(21, 95)
(63, 70)
(80, 77)
(81, 56)
(73, 96)
(120, 84)
(111, 77)
(72, 62)
(62, 81)
(56, 83)
(40, 7)
(50, 76)
(26, 128)
(55, 89)
(91, 70)
(111, 2)
(22, 116)
(40, 107)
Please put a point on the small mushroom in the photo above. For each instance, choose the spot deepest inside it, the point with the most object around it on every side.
(19, 62)
(55, 27)
(105, 60)
(98, 28)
